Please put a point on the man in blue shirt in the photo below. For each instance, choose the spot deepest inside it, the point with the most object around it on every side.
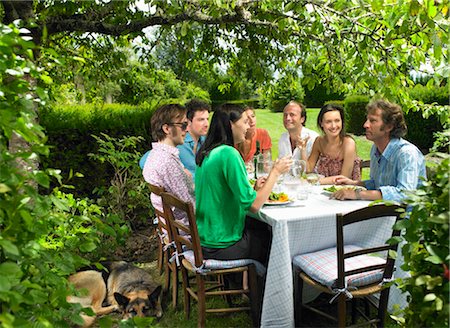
(198, 119)
(396, 165)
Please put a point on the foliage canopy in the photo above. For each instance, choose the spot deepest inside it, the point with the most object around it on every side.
(369, 46)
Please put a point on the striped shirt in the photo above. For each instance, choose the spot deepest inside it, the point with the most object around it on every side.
(397, 169)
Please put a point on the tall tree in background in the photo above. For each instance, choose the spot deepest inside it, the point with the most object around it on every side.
(367, 46)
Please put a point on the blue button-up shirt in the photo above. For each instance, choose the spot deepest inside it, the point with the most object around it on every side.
(398, 168)
(187, 154)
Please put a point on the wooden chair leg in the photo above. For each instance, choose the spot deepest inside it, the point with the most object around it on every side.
(255, 297)
(186, 295)
(382, 307)
(160, 258)
(354, 305)
(166, 274)
(342, 310)
(298, 297)
(201, 301)
(174, 274)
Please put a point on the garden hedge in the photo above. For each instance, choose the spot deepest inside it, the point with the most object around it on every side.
(70, 129)
(355, 113)
(420, 130)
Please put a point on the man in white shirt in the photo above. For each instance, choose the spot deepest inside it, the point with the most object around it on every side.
(294, 118)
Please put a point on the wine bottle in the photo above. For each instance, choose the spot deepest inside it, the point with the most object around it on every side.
(256, 157)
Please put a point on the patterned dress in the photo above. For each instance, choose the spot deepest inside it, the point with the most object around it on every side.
(329, 166)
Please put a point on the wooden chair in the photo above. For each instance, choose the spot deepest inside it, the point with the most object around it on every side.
(359, 276)
(165, 250)
(208, 281)
(365, 164)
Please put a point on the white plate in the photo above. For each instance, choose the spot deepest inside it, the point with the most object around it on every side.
(343, 187)
(276, 202)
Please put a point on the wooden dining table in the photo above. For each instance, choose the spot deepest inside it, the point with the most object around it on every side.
(307, 226)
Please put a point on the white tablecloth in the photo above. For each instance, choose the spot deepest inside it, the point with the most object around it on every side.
(304, 229)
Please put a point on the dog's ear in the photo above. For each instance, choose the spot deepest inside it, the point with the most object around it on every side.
(121, 300)
(153, 297)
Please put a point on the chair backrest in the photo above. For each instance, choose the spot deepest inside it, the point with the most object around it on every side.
(162, 219)
(182, 242)
(364, 165)
(364, 214)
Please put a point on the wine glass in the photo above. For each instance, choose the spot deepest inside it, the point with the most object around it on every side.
(304, 139)
(263, 167)
(298, 168)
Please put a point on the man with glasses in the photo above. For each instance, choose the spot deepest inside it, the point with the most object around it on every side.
(163, 166)
(197, 115)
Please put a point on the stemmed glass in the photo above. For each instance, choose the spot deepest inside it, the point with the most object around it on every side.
(298, 168)
(304, 139)
(263, 167)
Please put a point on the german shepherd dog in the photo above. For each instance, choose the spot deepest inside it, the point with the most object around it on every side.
(122, 287)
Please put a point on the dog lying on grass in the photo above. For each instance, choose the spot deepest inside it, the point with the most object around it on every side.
(123, 286)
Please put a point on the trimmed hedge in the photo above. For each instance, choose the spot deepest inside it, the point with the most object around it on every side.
(320, 96)
(70, 129)
(355, 113)
(421, 130)
(429, 95)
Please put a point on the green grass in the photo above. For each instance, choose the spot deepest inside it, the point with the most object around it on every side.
(273, 122)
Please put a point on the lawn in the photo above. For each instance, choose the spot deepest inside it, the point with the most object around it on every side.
(273, 122)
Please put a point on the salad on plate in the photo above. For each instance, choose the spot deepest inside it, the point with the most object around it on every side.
(278, 198)
(332, 189)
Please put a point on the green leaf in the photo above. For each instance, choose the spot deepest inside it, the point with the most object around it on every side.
(421, 280)
(184, 28)
(10, 269)
(88, 246)
(429, 297)
(5, 284)
(46, 79)
(9, 247)
(434, 259)
(4, 188)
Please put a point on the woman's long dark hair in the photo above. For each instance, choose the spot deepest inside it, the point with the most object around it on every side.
(220, 132)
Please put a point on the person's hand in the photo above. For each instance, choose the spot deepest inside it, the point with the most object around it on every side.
(282, 165)
(302, 141)
(344, 193)
(343, 180)
(259, 183)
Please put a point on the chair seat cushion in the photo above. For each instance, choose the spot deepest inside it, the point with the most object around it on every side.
(212, 264)
(321, 266)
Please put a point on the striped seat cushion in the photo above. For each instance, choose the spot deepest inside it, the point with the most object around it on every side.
(212, 264)
(322, 267)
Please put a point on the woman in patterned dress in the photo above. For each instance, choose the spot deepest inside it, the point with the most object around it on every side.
(333, 153)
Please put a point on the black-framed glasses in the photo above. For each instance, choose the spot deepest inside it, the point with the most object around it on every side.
(183, 125)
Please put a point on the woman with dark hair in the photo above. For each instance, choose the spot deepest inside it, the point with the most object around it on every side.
(334, 153)
(224, 194)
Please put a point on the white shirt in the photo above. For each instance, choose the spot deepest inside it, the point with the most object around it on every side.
(284, 144)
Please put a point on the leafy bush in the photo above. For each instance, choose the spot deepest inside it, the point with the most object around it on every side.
(320, 96)
(335, 102)
(431, 94)
(128, 195)
(69, 131)
(426, 252)
(421, 130)
(285, 89)
(355, 112)
(43, 238)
